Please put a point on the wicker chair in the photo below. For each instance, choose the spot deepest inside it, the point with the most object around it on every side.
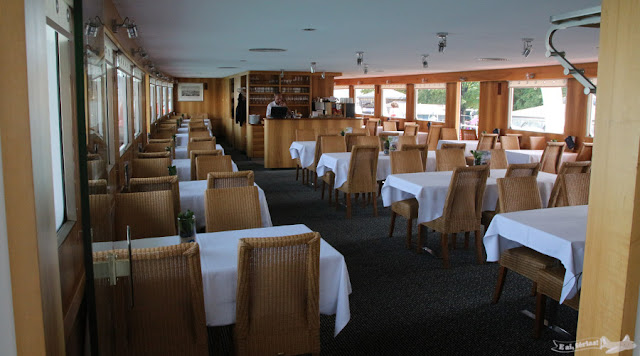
(277, 300)
(166, 146)
(193, 155)
(585, 152)
(200, 146)
(576, 188)
(197, 126)
(331, 144)
(558, 196)
(150, 167)
(405, 162)
(204, 139)
(411, 129)
(550, 283)
(498, 159)
(232, 209)
(158, 183)
(517, 194)
(424, 152)
(199, 133)
(164, 133)
(149, 214)
(448, 160)
(406, 140)
(97, 186)
(145, 155)
(216, 180)
(317, 155)
(372, 127)
(446, 146)
(537, 142)
(469, 135)
(96, 169)
(100, 208)
(389, 126)
(350, 139)
(359, 130)
(487, 142)
(552, 157)
(433, 137)
(208, 163)
(368, 141)
(168, 316)
(449, 133)
(510, 142)
(362, 175)
(161, 140)
(462, 209)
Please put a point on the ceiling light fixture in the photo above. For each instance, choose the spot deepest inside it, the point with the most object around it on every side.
(267, 50)
(442, 43)
(366, 69)
(313, 67)
(281, 73)
(309, 29)
(91, 28)
(491, 59)
(132, 28)
(140, 51)
(359, 58)
(530, 76)
(527, 46)
(425, 64)
(323, 75)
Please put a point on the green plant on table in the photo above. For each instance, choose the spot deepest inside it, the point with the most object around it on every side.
(172, 170)
(186, 223)
(477, 157)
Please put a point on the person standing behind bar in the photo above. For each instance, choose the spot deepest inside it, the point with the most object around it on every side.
(277, 101)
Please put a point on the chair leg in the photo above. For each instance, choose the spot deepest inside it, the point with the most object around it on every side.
(466, 239)
(409, 232)
(315, 181)
(445, 249)
(534, 289)
(337, 198)
(297, 172)
(379, 187)
(454, 243)
(479, 247)
(393, 222)
(364, 200)
(305, 174)
(541, 301)
(348, 205)
(322, 193)
(502, 275)
(419, 235)
(375, 205)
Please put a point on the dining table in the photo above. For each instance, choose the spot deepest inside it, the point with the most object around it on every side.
(181, 151)
(219, 268)
(534, 156)
(556, 232)
(183, 168)
(192, 198)
(430, 190)
(304, 150)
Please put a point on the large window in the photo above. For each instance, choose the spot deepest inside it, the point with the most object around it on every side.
(365, 100)
(123, 110)
(538, 105)
(158, 101)
(137, 106)
(394, 101)
(469, 105)
(431, 102)
(164, 100)
(170, 96)
(152, 101)
(341, 92)
(591, 110)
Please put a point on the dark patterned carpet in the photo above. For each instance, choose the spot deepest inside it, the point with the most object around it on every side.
(404, 303)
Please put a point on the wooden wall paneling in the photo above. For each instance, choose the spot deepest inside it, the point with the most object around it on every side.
(452, 111)
(411, 103)
(352, 91)
(576, 111)
(321, 87)
(611, 275)
(494, 106)
(377, 112)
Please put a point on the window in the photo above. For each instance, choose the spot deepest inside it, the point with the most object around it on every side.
(365, 100)
(164, 100)
(431, 102)
(158, 101)
(591, 112)
(137, 106)
(152, 101)
(469, 104)
(123, 110)
(394, 101)
(170, 95)
(341, 92)
(538, 105)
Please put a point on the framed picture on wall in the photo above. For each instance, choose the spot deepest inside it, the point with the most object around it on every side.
(190, 92)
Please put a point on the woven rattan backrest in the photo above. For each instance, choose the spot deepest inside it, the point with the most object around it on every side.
(466, 191)
(150, 167)
(537, 142)
(558, 195)
(195, 153)
(585, 152)
(100, 207)
(418, 147)
(332, 144)
(277, 299)
(168, 316)
(232, 209)
(168, 141)
(305, 135)
(168, 126)
(359, 130)
(406, 162)
(518, 193)
(158, 147)
(576, 187)
(447, 160)
(449, 133)
(498, 160)
(411, 130)
(318, 152)
(434, 137)
(363, 167)
(372, 127)
(163, 134)
(446, 146)
(209, 163)
(145, 155)
(575, 167)
(197, 126)
(216, 180)
(487, 142)
(510, 142)
(158, 183)
(407, 140)
(367, 141)
(194, 134)
(523, 170)
(469, 135)
(200, 146)
(150, 214)
(204, 139)
(97, 186)
(389, 126)
(350, 139)
(96, 169)
(552, 157)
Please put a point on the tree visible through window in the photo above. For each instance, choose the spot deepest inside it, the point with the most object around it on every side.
(431, 104)
(469, 104)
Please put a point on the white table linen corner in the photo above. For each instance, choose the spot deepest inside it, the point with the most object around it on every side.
(304, 150)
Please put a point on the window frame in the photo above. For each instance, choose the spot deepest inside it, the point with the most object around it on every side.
(355, 99)
(137, 85)
(152, 100)
(591, 111)
(127, 108)
(382, 100)
(340, 87)
(551, 83)
(430, 86)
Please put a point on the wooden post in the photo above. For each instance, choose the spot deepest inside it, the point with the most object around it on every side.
(452, 113)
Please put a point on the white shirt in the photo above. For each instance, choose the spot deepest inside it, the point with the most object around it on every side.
(272, 104)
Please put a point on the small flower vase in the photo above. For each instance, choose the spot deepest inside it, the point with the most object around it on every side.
(386, 147)
(477, 161)
(187, 229)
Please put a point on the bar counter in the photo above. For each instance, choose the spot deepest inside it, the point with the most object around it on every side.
(280, 133)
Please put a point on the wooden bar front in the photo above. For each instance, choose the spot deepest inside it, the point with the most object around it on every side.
(280, 133)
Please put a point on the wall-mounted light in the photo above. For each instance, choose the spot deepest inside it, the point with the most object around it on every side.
(132, 28)
(425, 64)
(530, 76)
(140, 51)
(463, 79)
(313, 67)
(527, 46)
(442, 43)
(91, 28)
(323, 75)
(366, 69)
(359, 58)
(423, 80)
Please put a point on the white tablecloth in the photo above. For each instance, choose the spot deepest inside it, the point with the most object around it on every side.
(305, 150)
(470, 145)
(219, 258)
(534, 156)
(556, 232)
(192, 197)
(430, 189)
(338, 163)
(181, 152)
(183, 166)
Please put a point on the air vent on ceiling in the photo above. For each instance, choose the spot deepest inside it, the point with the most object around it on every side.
(267, 50)
(490, 59)
(227, 67)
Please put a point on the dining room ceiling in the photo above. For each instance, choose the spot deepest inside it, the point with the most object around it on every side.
(208, 39)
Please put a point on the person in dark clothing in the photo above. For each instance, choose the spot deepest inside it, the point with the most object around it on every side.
(241, 109)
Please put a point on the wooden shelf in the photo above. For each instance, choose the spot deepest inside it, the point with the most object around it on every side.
(296, 85)
(298, 105)
(264, 85)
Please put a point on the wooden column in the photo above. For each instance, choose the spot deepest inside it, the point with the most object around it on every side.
(411, 103)
(494, 106)
(612, 255)
(452, 111)
(377, 112)
(575, 122)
